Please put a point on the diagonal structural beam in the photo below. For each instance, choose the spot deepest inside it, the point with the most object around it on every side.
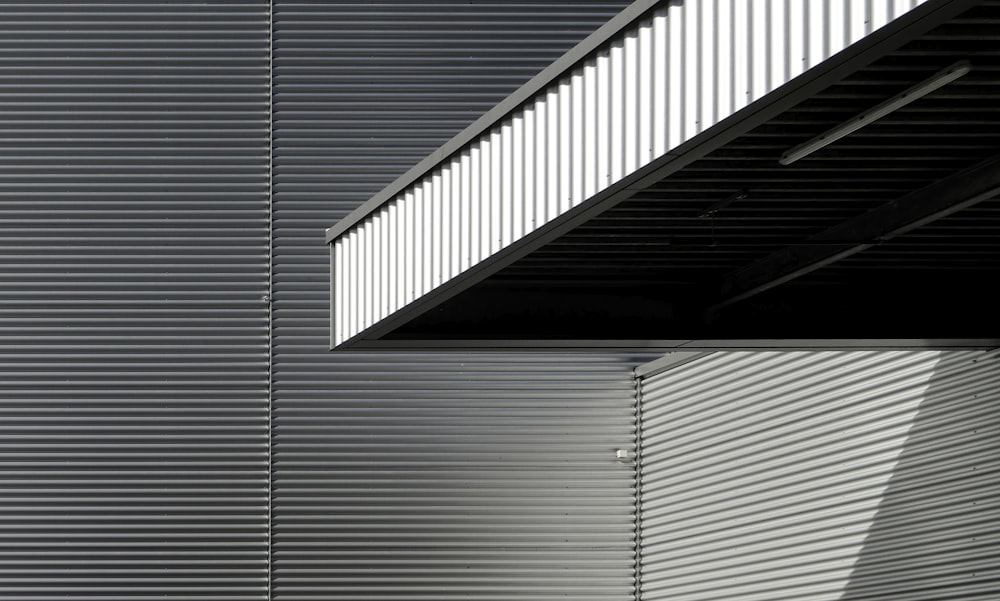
(942, 198)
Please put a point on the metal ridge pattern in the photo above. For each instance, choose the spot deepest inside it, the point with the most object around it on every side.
(822, 475)
(133, 328)
(410, 475)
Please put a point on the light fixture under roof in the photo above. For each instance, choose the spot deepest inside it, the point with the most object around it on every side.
(941, 78)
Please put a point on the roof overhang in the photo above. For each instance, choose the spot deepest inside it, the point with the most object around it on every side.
(511, 230)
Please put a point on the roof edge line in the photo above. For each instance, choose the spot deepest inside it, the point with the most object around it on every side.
(544, 78)
(688, 347)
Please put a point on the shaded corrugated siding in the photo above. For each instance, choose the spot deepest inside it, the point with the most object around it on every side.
(823, 476)
(133, 336)
(438, 476)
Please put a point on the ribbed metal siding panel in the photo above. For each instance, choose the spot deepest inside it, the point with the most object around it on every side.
(822, 475)
(456, 477)
(430, 476)
(133, 336)
(677, 73)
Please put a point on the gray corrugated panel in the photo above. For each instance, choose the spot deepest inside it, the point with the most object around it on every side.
(133, 339)
(439, 476)
(454, 476)
(823, 475)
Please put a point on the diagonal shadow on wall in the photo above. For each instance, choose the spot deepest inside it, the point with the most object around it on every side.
(936, 533)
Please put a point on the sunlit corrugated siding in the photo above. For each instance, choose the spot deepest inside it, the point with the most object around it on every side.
(133, 336)
(654, 86)
(430, 476)
(822, 476)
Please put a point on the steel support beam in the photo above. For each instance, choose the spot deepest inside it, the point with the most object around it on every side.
(942, 198)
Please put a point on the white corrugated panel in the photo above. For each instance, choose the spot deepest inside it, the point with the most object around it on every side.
(482, 476)
(133, 331)
(822, 476)
(676, 73)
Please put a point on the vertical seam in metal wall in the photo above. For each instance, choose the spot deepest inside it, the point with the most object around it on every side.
(637, 383)
(270, 279)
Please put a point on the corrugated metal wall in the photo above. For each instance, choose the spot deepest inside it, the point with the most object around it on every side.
(133, 338)
(455, 477)
(654, 86)
(438, 476)
(134, 331)
(822, 476)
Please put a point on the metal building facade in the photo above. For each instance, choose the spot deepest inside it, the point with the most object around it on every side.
(174, 425)
(133, 323)
(135, 305)
(821, 475)
(638, 96)
(415, 475)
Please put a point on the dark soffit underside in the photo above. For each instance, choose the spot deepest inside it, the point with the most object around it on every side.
(652, 265)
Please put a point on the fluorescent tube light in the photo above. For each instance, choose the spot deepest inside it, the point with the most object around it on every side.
(942, 77)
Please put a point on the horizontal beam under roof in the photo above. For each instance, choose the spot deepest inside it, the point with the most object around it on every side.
(699, 346)
(940, 199)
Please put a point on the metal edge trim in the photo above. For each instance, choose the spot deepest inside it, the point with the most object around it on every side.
(691, 347)
(546, 77)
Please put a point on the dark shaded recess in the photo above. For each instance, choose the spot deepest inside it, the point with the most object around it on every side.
(867, 304)
(651, 266)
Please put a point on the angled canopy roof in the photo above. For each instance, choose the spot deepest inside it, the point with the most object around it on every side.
(636, 188)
